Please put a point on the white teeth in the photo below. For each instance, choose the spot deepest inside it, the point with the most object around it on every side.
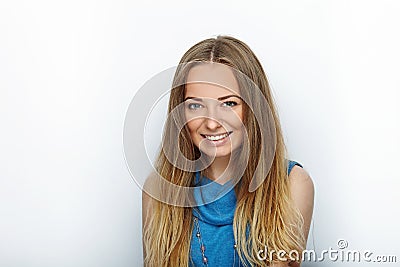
(216, 137)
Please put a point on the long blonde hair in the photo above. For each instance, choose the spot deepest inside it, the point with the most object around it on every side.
(269, 211)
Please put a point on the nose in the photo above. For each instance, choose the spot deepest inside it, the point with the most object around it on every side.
(212, 124)
(213, 121)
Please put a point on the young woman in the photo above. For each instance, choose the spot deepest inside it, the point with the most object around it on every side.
(248, 200)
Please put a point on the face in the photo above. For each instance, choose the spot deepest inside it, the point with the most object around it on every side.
(214, 114)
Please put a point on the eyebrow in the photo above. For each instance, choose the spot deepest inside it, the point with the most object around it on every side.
(220, 98)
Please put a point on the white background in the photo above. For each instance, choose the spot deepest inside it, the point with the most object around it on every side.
(68, 71)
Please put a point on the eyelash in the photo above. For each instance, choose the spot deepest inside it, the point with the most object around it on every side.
(190, 105)
(232, 102)
(224, 104)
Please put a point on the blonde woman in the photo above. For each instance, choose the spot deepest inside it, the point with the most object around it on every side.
(250, 201)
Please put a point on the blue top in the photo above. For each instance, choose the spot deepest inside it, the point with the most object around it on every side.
(215, 222)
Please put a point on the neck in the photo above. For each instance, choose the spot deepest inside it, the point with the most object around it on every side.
(217, 168)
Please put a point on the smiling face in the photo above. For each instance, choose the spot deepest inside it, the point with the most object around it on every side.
(214, 113)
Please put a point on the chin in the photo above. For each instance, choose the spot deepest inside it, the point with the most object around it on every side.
(219, 154)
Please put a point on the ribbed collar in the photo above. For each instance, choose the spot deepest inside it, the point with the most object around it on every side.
(221, 210)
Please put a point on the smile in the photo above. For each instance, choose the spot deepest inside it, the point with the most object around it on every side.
(216, 137)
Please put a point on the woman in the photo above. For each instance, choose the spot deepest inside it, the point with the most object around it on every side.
(256, 201)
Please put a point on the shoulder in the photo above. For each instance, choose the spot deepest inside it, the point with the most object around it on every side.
(301, 186)
(300, 183)
(302, 193)
(298, 175)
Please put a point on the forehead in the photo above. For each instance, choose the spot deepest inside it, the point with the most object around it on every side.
(211, 80)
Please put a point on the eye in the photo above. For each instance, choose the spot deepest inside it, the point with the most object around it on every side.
(229, 104)
(194, 106)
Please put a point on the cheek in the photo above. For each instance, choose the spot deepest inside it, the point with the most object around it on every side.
(193, 125)
(238, 120)
(240, 113)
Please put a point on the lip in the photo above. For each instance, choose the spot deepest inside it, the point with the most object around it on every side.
(220, 142)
